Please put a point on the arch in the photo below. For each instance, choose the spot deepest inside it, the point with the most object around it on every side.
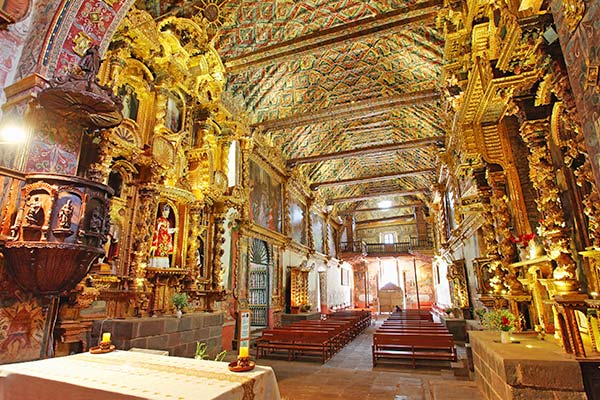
(259, 253)
(57, 49)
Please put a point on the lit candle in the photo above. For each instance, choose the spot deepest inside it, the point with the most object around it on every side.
(243, 351)
(106, 337)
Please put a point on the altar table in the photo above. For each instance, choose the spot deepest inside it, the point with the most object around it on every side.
(123, 375)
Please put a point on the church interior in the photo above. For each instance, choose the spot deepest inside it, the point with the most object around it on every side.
(185, 176)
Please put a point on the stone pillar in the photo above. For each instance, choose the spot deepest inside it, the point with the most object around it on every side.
(323, 292)
(553, 225)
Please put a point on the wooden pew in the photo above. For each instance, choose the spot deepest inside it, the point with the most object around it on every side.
(413, 347)
(296, 342)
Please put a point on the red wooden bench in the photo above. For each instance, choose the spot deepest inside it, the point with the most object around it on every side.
(413, 347)
(296, 342)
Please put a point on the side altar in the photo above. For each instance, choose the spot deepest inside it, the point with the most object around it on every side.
(527, 368)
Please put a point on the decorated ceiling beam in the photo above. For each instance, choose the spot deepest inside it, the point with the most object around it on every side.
(420, 13)
(387, 219)
(372, 178)
(403, 193)
(353, 110)
(393, 222)
(399, 206)
(409, 144)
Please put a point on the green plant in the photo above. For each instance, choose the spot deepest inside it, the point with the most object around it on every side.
(201, 353)
(180, 300)
(500, 320)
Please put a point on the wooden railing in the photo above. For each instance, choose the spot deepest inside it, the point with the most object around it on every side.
(386, 248)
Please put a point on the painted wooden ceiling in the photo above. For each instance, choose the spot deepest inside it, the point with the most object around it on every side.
(348, 87)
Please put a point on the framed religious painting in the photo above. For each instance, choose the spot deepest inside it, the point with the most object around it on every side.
(265, 199)
(297, 214)
(174, 115)
(318, 231)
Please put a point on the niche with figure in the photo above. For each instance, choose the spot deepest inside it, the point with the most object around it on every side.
(130, 102)
(174, 114)
(164, 239)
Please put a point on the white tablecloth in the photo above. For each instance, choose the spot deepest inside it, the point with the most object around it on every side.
(121, 375)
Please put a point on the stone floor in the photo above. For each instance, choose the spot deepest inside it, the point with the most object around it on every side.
(350, 375)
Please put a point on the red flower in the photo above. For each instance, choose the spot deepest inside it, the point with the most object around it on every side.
(505, 321)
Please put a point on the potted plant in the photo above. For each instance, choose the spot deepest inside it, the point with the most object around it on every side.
(305, 307)
(500, 320)
(180, 300)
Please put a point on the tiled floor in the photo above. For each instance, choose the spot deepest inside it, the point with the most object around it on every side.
(350, 375)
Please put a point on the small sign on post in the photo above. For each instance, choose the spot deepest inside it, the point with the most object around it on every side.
(244, 339)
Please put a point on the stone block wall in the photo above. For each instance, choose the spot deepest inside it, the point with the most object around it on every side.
(528, 370)
(178, 336)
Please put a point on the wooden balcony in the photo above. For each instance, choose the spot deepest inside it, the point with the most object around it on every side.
(352, 249)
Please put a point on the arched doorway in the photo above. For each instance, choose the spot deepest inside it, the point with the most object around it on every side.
(258, 283)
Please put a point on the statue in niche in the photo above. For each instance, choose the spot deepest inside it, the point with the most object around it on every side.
(96, 220)
(35, 212)
(162, 241)
(64, 216)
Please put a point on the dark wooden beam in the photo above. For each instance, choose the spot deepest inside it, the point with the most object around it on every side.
(388, 219)
(392, 21)
(385, 223)
(12, 173)
(375, 195)
(407, 205)
(383, 148)
(372, 178)
(350, 111)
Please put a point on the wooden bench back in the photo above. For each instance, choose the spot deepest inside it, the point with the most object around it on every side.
(298, 336)
(409, 339)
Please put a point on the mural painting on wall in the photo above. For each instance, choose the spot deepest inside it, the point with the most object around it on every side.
(297, 221)
(54, 150)
(425, 282)
(265, 199)
(161, 251)
(317, 231)
(21, 330)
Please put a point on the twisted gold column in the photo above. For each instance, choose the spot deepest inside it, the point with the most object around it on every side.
(553, 225)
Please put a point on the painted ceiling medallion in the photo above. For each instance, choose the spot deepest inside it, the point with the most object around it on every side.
(214, 15)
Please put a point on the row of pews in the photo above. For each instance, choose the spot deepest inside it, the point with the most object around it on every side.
(412, 334)
(323, 337)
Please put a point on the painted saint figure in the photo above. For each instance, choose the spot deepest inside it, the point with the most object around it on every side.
(64, 215)
(162, 241)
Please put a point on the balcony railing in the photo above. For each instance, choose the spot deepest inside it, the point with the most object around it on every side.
(386, 248)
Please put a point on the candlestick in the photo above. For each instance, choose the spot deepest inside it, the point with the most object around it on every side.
(243, 351)
(105, 337)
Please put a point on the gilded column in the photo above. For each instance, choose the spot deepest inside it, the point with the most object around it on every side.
(218, 251)
(100, 170)
(488, 231)
(499, 206)
(552, 227)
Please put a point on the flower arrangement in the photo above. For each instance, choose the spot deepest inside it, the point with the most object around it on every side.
(180, 300)
(501, 320)
(523, 240)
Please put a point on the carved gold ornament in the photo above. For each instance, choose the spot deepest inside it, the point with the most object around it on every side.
(574, 10)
